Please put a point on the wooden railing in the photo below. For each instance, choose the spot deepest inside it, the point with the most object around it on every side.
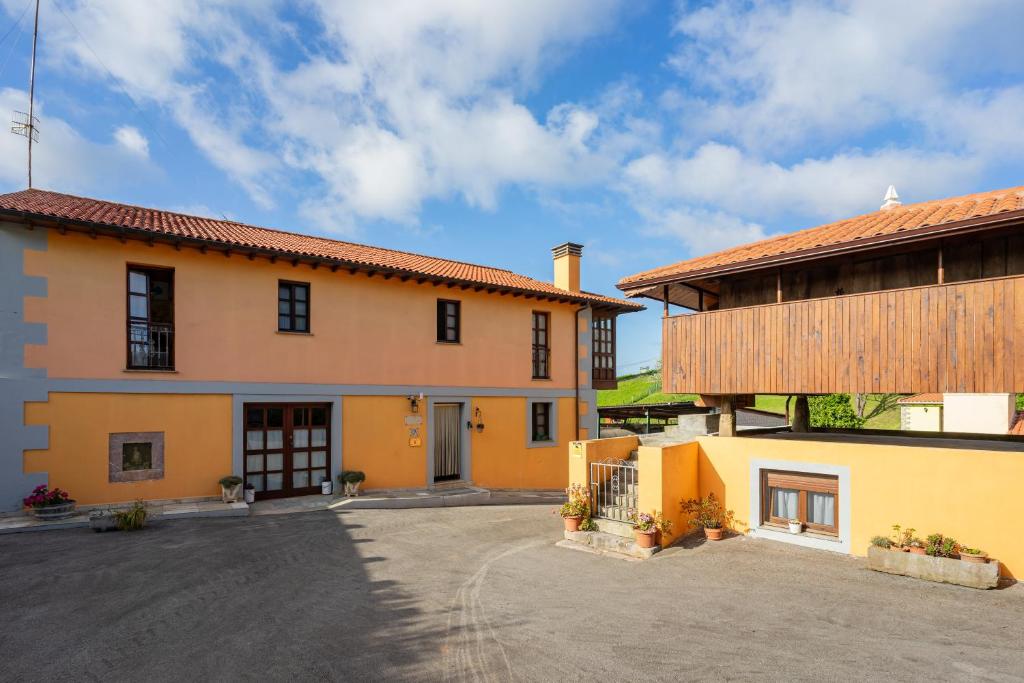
(963, 337)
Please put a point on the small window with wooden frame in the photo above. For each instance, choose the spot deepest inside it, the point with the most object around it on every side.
(449, 321)
(541, 345)
(150, 318)
(603, 351)
(540, 422)
(293, 307)
(813, 499)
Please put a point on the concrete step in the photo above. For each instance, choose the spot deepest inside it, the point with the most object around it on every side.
(615, 527)
(609, 512)
(607, 544)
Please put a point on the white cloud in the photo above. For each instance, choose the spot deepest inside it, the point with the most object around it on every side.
(132, 140)
(63, 159)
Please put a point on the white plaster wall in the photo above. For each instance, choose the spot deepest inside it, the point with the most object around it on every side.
(978, 413)
(921, 418)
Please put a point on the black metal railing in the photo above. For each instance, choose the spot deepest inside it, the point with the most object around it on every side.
(150, 345)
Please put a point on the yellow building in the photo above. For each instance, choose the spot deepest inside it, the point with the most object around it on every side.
(146, 354)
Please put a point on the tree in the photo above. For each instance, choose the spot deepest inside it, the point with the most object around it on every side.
(883, 403)
(835, 411)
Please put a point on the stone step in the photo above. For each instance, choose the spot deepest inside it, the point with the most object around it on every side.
(609, 512)
(607, 544)
(614, 527)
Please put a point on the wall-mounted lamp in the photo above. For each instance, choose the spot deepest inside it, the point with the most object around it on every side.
(478, 416)
(414, 402)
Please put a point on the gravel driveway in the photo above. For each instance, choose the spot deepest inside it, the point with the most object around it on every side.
(472, 593)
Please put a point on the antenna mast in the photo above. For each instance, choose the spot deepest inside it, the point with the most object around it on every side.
(28, 124)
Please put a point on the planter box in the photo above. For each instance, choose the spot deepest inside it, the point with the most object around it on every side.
(939, 569)
(54, 512)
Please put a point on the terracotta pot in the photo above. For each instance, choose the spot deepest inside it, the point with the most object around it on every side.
(572, 523)
(644, 539)
(713, 534)
(974, 559)
(916, 551)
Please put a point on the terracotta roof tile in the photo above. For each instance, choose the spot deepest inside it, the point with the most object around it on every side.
(54, 205)
(883, 222)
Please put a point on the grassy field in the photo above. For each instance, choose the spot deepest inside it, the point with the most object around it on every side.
(646, 388)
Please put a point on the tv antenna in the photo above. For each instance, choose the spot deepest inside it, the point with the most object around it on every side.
(28, 124)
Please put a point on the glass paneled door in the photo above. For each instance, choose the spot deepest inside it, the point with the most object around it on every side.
(287, 448)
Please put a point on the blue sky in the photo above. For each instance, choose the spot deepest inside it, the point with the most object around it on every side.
(489, 132)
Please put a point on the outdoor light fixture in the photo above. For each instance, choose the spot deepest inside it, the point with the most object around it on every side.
(479, 420)
(414, 402)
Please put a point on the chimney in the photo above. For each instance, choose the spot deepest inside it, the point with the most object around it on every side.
(567, 266)
(892, 200)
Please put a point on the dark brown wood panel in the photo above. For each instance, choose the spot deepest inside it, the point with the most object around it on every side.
(956, 337)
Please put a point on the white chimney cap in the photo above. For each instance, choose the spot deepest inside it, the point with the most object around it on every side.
(891, 199)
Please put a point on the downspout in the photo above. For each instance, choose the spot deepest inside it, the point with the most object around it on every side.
(576, 368)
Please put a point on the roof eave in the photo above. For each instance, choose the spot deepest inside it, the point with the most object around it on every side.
(926, 232)
(91, 227)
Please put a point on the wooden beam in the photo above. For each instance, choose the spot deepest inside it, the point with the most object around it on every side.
(665, 299)
(778, 286)
(227, 253)
(334, 268)
(316, 264)
(942, 269)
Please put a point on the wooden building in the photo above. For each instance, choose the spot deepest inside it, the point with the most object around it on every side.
(926, 297)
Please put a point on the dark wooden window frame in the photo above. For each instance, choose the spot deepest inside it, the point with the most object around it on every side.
(444, 322)
(803, 483)
(292, 285)
(541, 349)
(540, 409)
(603, 348)
(148, 320)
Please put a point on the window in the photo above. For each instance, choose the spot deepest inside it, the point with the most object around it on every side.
(448, 321)
(150, 318)
(811, 498)
(135, 456)
(292, 306)
(603, 344)
(541, 347)
(540, 422)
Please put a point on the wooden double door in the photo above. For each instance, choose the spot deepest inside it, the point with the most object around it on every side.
(287, 448)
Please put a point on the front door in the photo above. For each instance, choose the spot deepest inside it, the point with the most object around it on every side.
(287, 448)
(447, 440)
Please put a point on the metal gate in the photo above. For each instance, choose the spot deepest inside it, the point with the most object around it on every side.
(447, 441)
(613, 488)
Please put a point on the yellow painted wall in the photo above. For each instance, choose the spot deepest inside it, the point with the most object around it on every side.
(582, 453)
(971, 495)
(672, 473)
(500, 456)
(197, 443)
(364, 330)
(375, 439)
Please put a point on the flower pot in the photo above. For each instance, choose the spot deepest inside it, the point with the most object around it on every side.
(352, 489)
(101, 520)
(917, 551)
(974, 559)
(572, 523)
(644, 539)
(52, 512)
(713, 534)
(230, 494)
(795, 527)
(250, 496)
(326, 488)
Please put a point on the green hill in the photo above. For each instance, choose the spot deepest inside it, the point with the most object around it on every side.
(645, 387)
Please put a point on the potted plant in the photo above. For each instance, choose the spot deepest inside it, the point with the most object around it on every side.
(708, 514)
(916, 546)
(577, 508)
(132, 519)
(249, 491)
(49, 504)
(881, 542)
(645, 527)
(350, 480)
(938, 545)
(973, 555)
(795, 526)
(230, 488)
(901, 537)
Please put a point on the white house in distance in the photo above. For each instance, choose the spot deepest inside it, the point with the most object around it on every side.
(961, 413)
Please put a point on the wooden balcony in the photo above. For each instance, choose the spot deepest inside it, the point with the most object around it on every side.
(943, 338)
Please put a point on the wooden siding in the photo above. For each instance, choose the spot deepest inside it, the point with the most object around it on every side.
(957, 338)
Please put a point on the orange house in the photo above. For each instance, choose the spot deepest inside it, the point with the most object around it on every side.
(146, 354)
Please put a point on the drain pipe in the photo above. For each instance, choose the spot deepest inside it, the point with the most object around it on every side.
(576, 368)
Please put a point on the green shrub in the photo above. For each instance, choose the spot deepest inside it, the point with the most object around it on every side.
(881, 542)
(941, 546)
(351, 477)
(132, 519)
(834, 411)
(230, 480)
